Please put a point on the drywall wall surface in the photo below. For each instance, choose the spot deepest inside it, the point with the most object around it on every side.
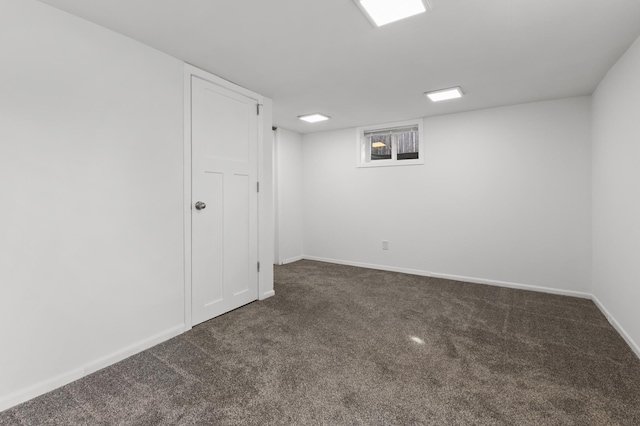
(503, 196)
(616, 190)
(91, 252)
(289, 195)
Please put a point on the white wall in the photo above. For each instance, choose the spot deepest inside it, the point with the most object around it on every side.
(616, 194)
(91, 246)
(504, 198)
(289, 195)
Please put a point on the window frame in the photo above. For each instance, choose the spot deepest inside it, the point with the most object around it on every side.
(362, 151)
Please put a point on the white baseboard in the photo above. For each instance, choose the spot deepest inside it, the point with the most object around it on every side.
(267, 295)
(519, 286)
(130, 350)
(41, 388)
(50, 384)
(632, 344)
(292, 259)
(456, 277)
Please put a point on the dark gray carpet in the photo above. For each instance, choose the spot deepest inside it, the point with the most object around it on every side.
(343, 345)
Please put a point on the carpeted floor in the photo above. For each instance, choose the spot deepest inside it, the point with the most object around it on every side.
(342, 345)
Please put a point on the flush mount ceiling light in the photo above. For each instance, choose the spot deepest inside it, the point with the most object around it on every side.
(378, 144)
(444, 94)
(313, 118)
(382, 12)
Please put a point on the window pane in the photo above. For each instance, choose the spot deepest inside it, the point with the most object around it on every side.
(380, 147)
(408, 145)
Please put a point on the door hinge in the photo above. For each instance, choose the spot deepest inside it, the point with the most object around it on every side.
(258, 109)
(257, 186)
(258, 266)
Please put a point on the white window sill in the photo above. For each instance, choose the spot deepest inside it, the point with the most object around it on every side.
(382, 163)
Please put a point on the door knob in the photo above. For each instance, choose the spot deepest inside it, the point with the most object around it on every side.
(200, 205)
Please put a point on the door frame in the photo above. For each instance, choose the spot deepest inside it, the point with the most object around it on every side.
(276, 202)
(265, 177)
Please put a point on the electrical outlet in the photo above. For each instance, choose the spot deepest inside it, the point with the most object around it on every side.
(385, 245)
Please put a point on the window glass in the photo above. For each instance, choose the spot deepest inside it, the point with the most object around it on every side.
(380, 147)
(408, 145)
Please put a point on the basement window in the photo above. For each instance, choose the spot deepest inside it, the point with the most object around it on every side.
(392, 144)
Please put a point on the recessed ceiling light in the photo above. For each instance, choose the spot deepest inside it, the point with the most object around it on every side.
(314, 118)
(444, 94)
(381, 12)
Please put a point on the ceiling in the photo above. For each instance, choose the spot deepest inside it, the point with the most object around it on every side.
(324, 56)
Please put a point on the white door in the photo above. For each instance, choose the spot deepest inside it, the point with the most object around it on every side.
(224, 198)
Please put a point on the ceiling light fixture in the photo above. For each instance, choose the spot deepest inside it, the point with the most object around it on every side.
(382, 12)
(444, 94)
(313, 118)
